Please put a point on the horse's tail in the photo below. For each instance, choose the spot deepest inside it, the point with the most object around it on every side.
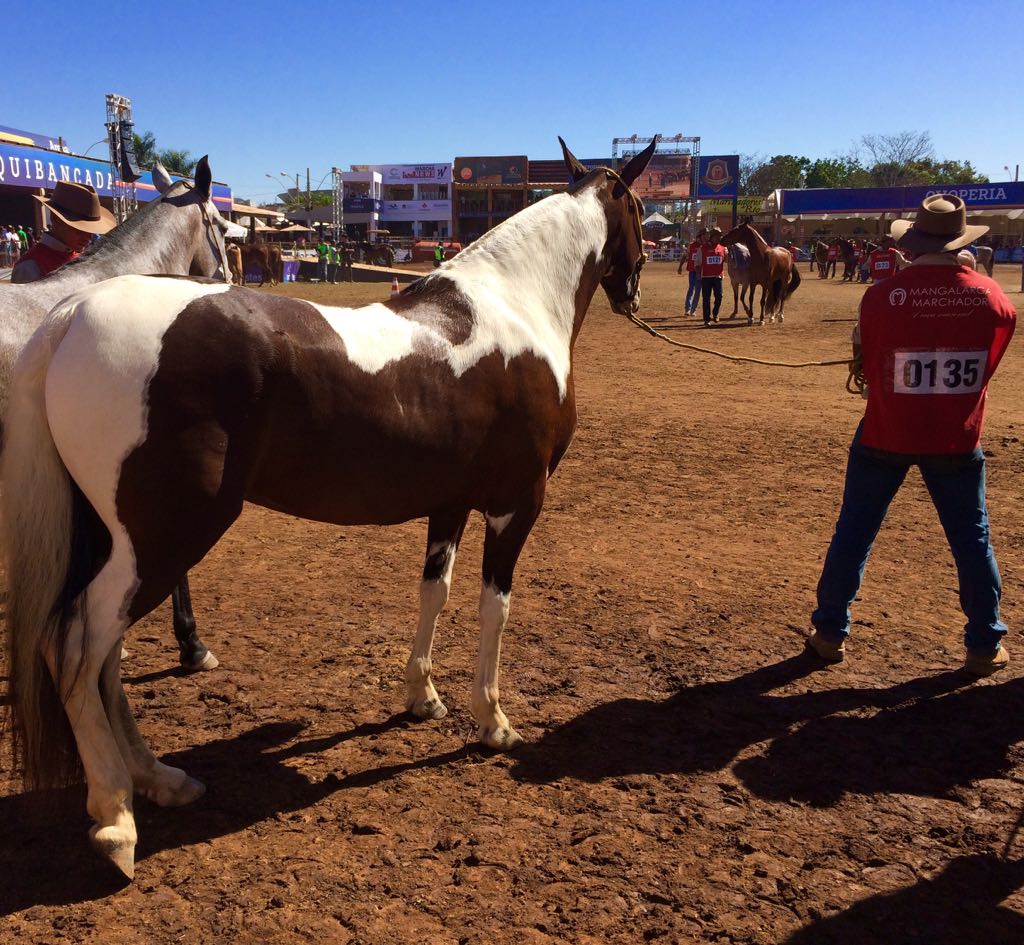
(794, 282)
(39, 509)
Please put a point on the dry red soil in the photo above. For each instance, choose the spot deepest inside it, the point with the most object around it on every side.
(689, 774)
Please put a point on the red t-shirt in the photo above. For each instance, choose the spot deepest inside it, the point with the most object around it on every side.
(833, 253)
(693, 256)
(712, 260)
(47, 258)
(882, 263)
(931, 338)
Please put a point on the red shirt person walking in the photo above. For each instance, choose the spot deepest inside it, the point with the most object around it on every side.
(76, 217)
(692, 261)
(930, 338)
(711, 269)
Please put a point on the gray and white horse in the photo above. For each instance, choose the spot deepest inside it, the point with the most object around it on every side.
(179, 233)
(738, 264)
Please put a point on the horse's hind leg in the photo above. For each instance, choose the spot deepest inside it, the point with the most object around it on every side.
(506, 534)
(162, 784)
(107, 775)
(443, 535)
(192, 652)
(735, 298)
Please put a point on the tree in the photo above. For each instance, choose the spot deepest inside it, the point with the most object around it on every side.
(145, 149)
(147, 154)
(957, 172)
(782, 171)
(891, 159)
(178, 162)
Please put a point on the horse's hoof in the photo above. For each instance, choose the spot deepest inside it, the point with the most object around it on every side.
(176, 791)
(209, 661)
(430, 708)
(501, 738)
(117, 845)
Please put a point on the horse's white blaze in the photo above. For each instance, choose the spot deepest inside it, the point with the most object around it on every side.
(517, 309)
(97, 381)
(498, 523)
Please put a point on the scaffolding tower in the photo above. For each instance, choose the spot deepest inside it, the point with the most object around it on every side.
(668, 144)
(337, 202)
(123, 172)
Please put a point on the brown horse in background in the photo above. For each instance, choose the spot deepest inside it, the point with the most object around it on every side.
(821, 258)
(771, 267)
(234, 252)
(377, 254)
(266, 257)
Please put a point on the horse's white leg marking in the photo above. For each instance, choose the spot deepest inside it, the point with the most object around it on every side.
(499, 523)
(106, 772)
(162, 784)
(495, 729)
(422, 699)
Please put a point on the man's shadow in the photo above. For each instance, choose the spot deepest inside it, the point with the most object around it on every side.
(924, 736)
(957, 907)
(45, 855)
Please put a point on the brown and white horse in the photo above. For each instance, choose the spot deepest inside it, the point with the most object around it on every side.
(147, 410)
(771, 267)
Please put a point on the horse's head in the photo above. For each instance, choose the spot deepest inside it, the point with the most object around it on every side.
(202, 238)
(623, 255)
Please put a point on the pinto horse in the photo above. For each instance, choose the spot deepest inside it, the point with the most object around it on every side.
(771, 267)
(180, 233)
(265, 257)
(147, 410)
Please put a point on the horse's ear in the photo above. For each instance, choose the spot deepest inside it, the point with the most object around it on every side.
(577, 170)
(161, 179)
(204, 178)
(634, 168)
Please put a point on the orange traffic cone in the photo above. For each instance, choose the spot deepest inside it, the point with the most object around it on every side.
(394, 286)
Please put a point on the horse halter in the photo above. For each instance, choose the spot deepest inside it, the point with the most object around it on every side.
(630, 305)
(219, 250)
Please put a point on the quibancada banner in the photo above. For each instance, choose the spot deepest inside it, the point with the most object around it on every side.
(1005, 196)
(34, 168)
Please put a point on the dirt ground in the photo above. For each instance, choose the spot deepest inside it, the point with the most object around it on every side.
(689, 774)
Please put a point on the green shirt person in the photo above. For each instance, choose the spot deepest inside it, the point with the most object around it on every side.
(438, 255)
(23, 239)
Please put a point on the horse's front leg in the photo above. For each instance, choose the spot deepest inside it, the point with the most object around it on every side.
(192, 652)
(506, 534)
(443, 535)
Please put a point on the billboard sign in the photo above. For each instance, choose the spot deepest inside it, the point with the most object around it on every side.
(416, 210)
(415, 173)
(891, 199)
(361, 205)
(718, 177)
(745, 206)
(34, 167)
(666, 177)
(490, 171)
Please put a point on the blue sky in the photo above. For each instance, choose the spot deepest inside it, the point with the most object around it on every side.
(268, 87)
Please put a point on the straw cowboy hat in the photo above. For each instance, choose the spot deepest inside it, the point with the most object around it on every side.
(938, 227)
(79, 207)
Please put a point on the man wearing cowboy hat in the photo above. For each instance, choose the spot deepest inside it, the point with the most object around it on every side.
(76, 216)
(930, 338)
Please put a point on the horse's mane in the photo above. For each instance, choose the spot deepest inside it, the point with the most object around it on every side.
(125, 233)
(757, 236)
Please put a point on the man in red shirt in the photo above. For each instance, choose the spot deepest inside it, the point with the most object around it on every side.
(833, 256)
(711, 268)
(692, 260)
(930, 339)
(884, 261)
(76, 217)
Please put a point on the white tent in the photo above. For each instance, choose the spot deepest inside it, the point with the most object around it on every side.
(657, 219)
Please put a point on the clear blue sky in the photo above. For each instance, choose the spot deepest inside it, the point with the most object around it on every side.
(393, 82)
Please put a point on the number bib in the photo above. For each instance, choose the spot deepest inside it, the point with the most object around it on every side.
(939, 372)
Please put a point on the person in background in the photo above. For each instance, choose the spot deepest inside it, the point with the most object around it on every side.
(929, 340)
(831, 259)
(885, 262)
(76, 217)
(438, 254)
(711, 268)
(22, 235)
(333, 260)
(692, 260)
(322, 257)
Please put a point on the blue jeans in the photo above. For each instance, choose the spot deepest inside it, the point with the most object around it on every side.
(692, 292)
(956, 485)
(321, 270)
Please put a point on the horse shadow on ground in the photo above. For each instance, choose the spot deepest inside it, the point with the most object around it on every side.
(45, 855)
(924, 737)
(959, 906)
